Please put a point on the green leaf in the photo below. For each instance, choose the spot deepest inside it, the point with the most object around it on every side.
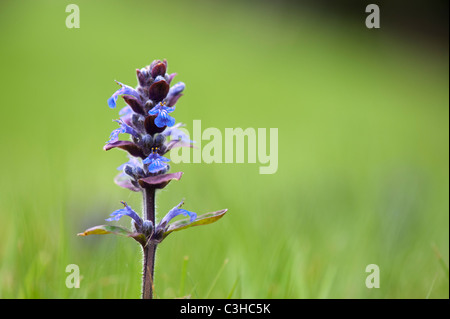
(204, 219)
(116, 230)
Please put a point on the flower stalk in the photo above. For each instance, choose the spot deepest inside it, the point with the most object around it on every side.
(149, 248)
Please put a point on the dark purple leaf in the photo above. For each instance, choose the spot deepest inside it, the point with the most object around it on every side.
(128, 146)
(150, 125)
(135, 105)
(159, 181)
(158, 69)
(158, 91)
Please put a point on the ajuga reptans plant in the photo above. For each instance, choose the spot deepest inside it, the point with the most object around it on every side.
(151, 130)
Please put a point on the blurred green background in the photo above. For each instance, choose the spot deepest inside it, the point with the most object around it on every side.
(362, 118)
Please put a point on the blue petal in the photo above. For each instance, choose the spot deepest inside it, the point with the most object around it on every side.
(114, 137)
(154, 111)
(192, 216)
(112, 101)
(118, 214)
(157, 166)
(169, 109)
(150, 158)
(175, 212)
(155, 162)
(124, 90)
(124, 128)
(128, 90)
(128, 129)
(164, 119)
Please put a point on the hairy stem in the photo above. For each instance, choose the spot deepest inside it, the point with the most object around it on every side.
(150, 248)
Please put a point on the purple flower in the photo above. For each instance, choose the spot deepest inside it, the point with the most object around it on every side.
(175, 212)
(178, 137)
(124, 90)
(163, 118)
(125, 114)
(116, 215)
(176, 89)
(124, 128)
(156, 163)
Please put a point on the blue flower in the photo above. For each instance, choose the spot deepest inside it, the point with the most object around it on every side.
(124, 90)
(163, 118)
(124, 128)
(175, 212)
(116, 215)
(156, 163)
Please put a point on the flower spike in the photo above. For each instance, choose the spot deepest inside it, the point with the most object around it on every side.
(153, 133)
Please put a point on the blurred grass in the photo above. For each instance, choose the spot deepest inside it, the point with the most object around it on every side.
(363, 153)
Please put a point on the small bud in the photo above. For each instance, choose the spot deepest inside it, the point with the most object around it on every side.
(147, 228)
(160, 78)
(158, 235)
(159, 139)
(135, 140)
(163, 149)
(138, 121)
(135, 227)
(148, 105)
(128, 170)
(142, 92)
(139, 172)
(147, 143)
(141, 75)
